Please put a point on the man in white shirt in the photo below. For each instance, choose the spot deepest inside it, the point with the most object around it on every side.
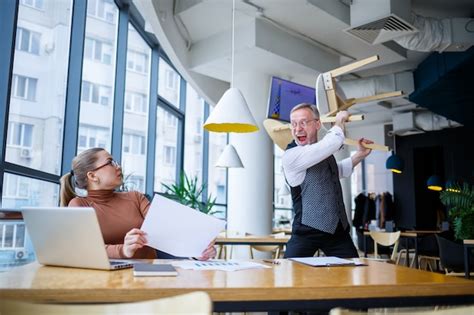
(312, 172)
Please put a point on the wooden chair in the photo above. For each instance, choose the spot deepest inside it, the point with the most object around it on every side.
(402, 254)
(430, 263)
(225, 251)
(428, 253)
(386, 239)
(191, 303)
(276, 250)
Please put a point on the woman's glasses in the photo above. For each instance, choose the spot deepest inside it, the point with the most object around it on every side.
(109, 162)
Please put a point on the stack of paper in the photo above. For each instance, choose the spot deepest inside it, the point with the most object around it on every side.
(327, 261)
(217, 265)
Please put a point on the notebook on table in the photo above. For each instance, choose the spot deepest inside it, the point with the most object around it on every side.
(146, 270)
(68, 237)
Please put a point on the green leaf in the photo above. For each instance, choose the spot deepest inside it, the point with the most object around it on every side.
(460, 202)
(189, 193)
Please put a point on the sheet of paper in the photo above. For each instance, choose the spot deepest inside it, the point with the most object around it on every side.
(326, 261)
(179, 230)
(229, 265)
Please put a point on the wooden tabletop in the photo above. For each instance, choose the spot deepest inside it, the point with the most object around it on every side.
(282, 230)
(469, 242)
(287, 281)
(252, 240)
(411, 233)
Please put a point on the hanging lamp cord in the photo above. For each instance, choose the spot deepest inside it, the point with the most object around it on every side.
(232, 45)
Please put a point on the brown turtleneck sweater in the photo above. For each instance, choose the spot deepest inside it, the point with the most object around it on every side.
(118, 213)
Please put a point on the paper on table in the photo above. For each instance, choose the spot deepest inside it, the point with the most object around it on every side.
(179, 230)
(326, 261)
(229, 265)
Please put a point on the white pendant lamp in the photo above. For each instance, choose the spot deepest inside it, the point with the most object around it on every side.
(231, 113)
(229, 158)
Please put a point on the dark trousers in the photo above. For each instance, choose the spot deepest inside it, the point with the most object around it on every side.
(338, 244)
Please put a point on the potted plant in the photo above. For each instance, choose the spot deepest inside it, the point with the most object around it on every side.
(460, 202)
(189, 193)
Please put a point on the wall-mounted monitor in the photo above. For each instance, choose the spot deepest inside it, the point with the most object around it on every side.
(284, 95)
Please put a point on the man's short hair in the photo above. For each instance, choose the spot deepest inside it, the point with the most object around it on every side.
(310, 106)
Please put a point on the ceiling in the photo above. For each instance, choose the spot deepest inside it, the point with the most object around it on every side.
(297, 40)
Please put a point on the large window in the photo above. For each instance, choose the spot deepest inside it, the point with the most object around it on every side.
(20, 191)
(282, 205)
(166, 148)
(98, 80)
(54, 65)
(38, 85)
(193, 140)
(137, 91)
(217, 177)
(168, 83)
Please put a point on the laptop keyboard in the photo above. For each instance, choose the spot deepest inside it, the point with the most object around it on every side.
(116, 262)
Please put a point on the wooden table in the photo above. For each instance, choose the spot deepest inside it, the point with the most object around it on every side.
(282, 230)
(468, 246)
(283, 287)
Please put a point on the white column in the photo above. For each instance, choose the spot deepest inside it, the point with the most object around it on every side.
(250, 189)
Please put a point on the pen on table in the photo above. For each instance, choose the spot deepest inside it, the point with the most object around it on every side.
(270, 261)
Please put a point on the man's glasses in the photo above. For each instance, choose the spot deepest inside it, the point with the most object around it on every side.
(109, 162)
(301, 123)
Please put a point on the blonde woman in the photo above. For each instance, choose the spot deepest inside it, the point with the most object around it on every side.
(120, 214)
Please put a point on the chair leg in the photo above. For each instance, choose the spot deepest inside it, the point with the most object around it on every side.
(277, 253)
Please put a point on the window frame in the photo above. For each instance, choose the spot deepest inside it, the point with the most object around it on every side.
(21, 30)
(26, 96)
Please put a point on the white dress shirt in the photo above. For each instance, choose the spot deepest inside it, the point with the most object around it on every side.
(297, 160)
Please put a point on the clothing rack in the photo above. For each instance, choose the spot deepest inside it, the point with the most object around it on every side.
(373, 206)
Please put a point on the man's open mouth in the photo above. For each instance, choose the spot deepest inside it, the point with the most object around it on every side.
(301, 138)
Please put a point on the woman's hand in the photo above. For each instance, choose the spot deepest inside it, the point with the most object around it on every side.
(134, 239)
(209, 253)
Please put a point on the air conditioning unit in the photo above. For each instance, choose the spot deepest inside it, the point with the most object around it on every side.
(25, 153)
(378, 21)
(404, 124)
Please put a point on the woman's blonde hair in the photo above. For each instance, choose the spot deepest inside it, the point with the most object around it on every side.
(81, 164)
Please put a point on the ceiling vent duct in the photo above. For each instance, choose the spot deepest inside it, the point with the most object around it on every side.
(411, 123)
(378, 21)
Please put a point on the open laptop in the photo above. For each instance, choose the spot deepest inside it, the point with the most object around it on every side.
(70, 237)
